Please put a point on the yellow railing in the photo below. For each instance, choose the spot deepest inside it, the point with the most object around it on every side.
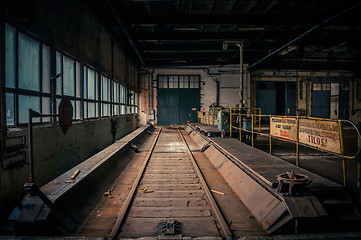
(259, 113)
(285, 131)
(203, 117)
(208, 117)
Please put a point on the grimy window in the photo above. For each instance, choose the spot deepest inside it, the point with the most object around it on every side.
(29, 83)
(27, 77)
(178, 81)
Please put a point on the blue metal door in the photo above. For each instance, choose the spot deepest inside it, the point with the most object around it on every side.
(178, 99)
(266, 98)
(320, 100)
(290, 99)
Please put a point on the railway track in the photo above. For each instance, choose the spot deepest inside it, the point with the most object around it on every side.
(169, 197)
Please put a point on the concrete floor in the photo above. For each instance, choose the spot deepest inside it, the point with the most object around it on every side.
(320, 163)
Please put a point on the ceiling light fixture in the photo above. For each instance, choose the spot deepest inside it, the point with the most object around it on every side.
(185, 29)
(245, 29)
(179, 61)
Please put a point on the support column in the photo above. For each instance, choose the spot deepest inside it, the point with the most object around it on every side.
(240, 45)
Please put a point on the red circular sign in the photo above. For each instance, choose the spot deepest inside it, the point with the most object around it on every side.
(65, 114)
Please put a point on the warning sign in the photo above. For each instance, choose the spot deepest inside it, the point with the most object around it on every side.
(284, 127)
(321, 134)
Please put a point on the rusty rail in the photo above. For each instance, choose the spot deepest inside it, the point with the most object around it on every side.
(225, 229)
(125, 209)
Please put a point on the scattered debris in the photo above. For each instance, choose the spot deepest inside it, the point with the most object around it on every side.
(109, 192)
(144, 190)
(75, 174)
(205, 147)
(218, 192)
(133, 146)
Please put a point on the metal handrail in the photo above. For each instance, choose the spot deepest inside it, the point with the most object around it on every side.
(339, 121)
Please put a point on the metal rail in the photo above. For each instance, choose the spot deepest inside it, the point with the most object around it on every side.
(226, 231)
(125, 209)
(298, 143)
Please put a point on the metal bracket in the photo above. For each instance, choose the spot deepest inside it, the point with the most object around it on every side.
(169, 227)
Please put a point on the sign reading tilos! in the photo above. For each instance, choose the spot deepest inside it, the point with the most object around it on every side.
(321, 134)
(284, 127)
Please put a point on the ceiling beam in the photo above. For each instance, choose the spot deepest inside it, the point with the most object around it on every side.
(305, 34)
(254, 19)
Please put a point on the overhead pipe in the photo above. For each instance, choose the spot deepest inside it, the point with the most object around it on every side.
(125, 31)
(304, 34)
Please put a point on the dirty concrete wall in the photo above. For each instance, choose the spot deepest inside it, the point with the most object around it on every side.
(70, 27)
(229, 94)
(55, 153)
(304, 80)
(229, 90)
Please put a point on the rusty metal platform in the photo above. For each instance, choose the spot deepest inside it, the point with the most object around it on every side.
(208, 130)
(252, 174)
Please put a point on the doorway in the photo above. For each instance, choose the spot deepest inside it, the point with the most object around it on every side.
(276, 98)
(178, 99)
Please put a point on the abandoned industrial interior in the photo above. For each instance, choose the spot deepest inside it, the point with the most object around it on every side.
(180, 119)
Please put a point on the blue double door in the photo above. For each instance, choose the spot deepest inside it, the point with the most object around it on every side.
(178, 99)
(321, 100)
(277, 98)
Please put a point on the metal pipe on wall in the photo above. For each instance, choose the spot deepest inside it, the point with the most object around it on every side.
(240, 45)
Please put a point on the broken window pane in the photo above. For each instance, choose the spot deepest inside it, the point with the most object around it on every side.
(29, 63)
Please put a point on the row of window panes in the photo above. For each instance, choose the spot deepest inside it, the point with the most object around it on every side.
(27, 74)
(27, 81)
(178, 81)
(322, 86)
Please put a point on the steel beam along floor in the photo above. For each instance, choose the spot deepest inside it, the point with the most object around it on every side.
(170, 189)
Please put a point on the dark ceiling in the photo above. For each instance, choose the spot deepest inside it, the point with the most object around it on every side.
(287, 34)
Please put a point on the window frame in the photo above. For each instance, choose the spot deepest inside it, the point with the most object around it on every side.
(16, 91)
(76, 101)
(52, 61)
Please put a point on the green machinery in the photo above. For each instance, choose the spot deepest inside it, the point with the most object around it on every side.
(223, 120)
